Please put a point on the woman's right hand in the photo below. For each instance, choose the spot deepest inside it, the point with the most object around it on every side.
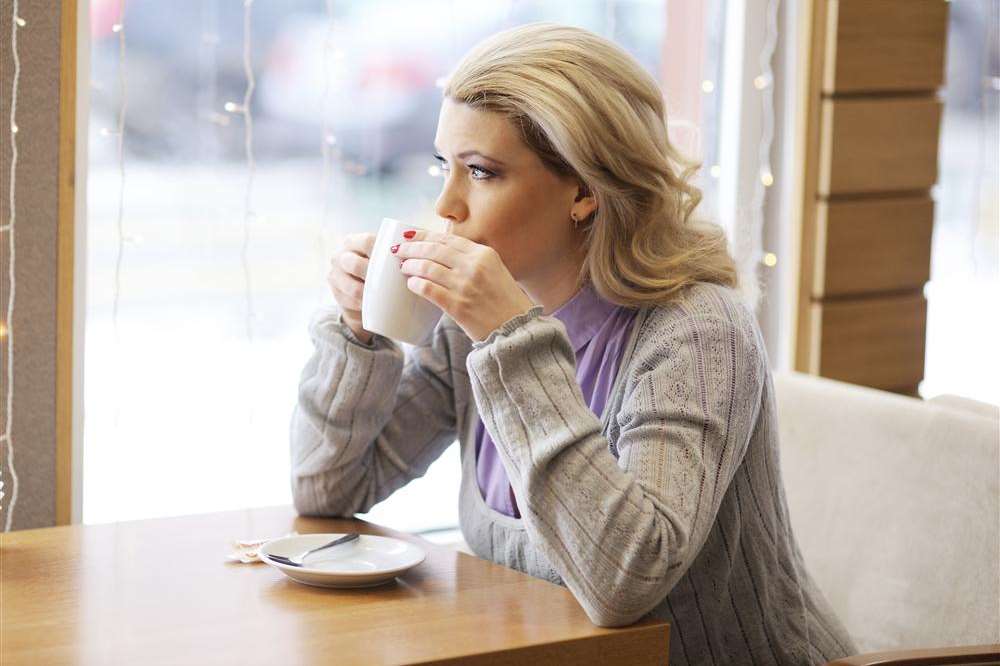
(347, 279)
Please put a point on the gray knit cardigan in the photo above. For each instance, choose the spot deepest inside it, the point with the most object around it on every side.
(670, 505)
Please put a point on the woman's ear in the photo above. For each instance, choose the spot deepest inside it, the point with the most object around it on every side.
(584, 205)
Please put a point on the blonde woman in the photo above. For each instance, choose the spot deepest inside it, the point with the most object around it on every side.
(609, 389)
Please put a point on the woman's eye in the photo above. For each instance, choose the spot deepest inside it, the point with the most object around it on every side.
(478, 173)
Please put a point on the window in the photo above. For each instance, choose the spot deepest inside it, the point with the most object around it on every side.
(962, 315)
(197, 310)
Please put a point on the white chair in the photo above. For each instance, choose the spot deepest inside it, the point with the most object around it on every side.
(895, 503)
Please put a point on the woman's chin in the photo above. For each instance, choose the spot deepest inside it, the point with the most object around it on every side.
(478, 241)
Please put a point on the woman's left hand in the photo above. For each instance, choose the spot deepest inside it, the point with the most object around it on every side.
(468, 281)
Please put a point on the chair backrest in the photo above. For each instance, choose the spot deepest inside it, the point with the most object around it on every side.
(895, 503)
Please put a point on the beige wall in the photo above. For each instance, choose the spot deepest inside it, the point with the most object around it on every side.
(36, 316)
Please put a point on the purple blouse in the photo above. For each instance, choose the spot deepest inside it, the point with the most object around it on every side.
(598, 330)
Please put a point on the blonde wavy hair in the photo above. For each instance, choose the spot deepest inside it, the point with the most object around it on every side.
(591, 112)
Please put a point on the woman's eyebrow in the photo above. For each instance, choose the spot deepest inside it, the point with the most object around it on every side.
(466, 153)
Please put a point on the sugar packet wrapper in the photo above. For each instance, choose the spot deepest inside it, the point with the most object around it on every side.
(245, 552)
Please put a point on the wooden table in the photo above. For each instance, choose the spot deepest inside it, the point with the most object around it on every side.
(161, 592)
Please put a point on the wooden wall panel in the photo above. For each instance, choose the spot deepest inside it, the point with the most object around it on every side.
(885, 45)
(868, 245)
(879, 145)
(870, 129)
(877, 342)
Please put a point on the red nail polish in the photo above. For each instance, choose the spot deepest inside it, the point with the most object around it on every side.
(409, 234)
(394, 248)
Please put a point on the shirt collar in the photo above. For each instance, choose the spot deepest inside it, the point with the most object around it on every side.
(583, 315)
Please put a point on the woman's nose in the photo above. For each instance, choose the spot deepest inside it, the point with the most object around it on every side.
(451, 204)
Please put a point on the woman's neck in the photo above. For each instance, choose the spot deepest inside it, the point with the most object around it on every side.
(553, 290)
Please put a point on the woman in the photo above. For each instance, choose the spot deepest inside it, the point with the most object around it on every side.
(609, 389)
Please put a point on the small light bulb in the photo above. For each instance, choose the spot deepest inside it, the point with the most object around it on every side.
(20, 22)
(767, 179)
(117, 27)
(434, 170)
(13, 128)
(707, 86)
(760, 82)
(233, 107)
(770, 259)
(330, 139)
(715, 170)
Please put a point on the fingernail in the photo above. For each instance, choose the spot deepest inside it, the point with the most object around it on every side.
(394, 248)
(409, 234)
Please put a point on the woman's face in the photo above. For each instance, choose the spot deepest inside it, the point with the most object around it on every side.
(497, 192)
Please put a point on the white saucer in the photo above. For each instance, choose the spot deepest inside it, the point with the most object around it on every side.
(369, 560)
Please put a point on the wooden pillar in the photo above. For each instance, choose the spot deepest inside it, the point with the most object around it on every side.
(871, 122)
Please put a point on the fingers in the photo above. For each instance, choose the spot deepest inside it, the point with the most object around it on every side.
(353, 255)
(353, 264)
(434, 251)
(450, 240)
(347, 272)
(360, 243)
(429, 270)
(434, 293)
(347, 290)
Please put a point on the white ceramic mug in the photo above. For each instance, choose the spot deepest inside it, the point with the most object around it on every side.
(388, 307)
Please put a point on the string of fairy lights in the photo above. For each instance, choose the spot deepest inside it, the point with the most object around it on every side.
(327, 140)
(244, 109)
(764, 82)
(119, 134)
(747, 239)
(7, 332)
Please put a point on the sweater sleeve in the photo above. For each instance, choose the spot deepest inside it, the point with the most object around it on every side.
(368, 420)
(621, 532)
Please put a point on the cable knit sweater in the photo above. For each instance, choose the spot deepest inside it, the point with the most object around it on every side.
(669, 506)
